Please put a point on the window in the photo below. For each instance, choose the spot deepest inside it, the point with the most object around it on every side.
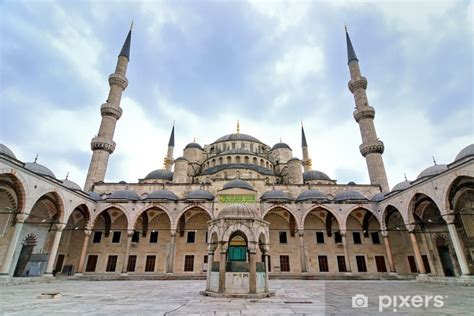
(191, 237)
(205, 237)
(132, 261)
(337, 237)
(283, 238)
(59, 263)
(91, 263)
(205, 259)
(136, 236)
(116, 237)
(188, 263)
(361, 266)
(323, 264)
(150, 263)
(320, 237)
(111, 264)
(356, 238)
(426, 263)
(341, 263)
(285, 263)
(154, 237)
(375, 238)
(269, 263)
(97, 237)
(380, 263)
(412, 264)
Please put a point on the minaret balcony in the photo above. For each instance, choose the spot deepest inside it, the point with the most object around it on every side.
(102, 143)
(118, 80)
(358, 83)
(365, 112)
(109, 110)
(373, 147)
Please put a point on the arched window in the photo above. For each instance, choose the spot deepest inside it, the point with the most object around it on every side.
(255, 161)
(229, 159)
(237, 159)
(247, 159)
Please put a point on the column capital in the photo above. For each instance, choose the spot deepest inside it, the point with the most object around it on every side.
(21, 218)
(301, 233)
(130, 233)
(60, 227)
(384, 233)
(87, 232)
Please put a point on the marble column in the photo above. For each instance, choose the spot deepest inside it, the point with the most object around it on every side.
(453, 233)
(222, 264)
(170, 261)
(127, 252)
(388, 249)
(416, 249)
(252, 272)
(7, 260)
(302, 253)
(54, 249)
(346, 252)
(265, 258)
(210, 260)
(82, 258)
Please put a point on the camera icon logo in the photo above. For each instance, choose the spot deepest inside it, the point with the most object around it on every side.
(360, 300)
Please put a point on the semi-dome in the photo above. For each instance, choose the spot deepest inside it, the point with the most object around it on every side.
(315, 175)
(71, 184)
(6, 151)
(349, 196)
(162, 195)
(401, 186)
(237, 184)
(377, 197)
(128, 195)
(237, 211)
(200, 195)
(312, 195)
(432, 171)
(275, 195)
(237, 136)
(39, 169)
(281, 146)
(160, 174)
(95, 196)
(465, 152)
(193, 146)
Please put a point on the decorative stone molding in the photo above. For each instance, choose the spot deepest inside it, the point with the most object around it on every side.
(365, 112)
(358, 83)
(376, 147)
(103, 143)
(109, 110)
(116, 79)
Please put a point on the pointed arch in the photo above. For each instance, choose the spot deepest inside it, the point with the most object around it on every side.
(16, 181)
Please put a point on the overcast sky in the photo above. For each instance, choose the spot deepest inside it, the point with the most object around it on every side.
(206, 64)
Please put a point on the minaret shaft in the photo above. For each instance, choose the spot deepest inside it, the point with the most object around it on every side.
(371, 148)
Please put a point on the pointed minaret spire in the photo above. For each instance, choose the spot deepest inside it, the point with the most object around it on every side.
(103, 145)
(168, 163)
(304, 146)
(372, 147)
(351, 55)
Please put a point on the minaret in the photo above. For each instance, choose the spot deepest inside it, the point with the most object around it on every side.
(102, 145)
(168, 163)
(372, 148)
(304, 146)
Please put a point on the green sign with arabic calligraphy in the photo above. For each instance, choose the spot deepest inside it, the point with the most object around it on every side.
(237, 198)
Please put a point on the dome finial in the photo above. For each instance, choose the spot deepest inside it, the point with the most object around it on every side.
(238, 127)
(280, 140)
(434, 160)
(345, 27)
(36, 158)
(67, 175)
(131, 25)
(405, 175)
(194, 139)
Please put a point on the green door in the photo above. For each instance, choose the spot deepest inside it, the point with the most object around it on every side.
(237, 253)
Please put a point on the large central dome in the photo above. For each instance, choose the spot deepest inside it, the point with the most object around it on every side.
(237, 136)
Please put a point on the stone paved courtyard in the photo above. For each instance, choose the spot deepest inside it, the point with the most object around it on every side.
(182, 297)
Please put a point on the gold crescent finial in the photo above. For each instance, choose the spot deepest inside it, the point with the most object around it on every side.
(238, 127)
(131, 25)
(67, 175)
(36, 158)
(345, 27)
(434, 161)
(405, 175)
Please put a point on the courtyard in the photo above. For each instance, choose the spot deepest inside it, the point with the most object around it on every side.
(180, 297)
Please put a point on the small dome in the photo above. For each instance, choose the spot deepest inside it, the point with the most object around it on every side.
(124, 195)
(6, 151)
(315, 175)
(193, 146)
(71, 185)
(377, 197)
(401, 186)
(432, 171)
(281, 146)
(39, 169)
(275, 195)
(349, 196)
(237, 211)
(351, 183)
(95, 196)
(160, 174)
(122, 182)
(237, 136)
(294, 159)
(312, 195)
(200, 195)
(465, 152)
(237, 184)
(162, 195)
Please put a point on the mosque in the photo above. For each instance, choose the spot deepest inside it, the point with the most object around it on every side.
(282, 216)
